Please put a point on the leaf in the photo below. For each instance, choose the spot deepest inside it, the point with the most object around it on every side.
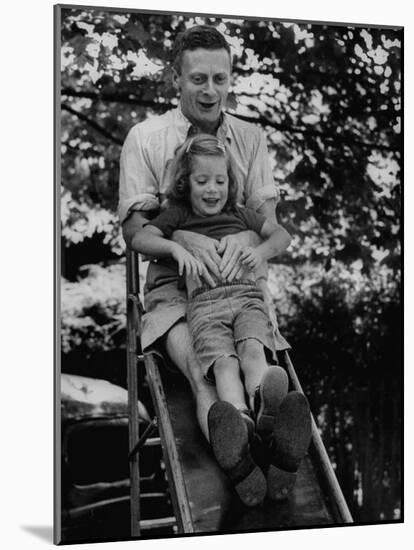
(155, 50)
(83, 59)
(80, 44)
(137, 33)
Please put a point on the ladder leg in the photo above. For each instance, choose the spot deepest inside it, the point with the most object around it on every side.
(132, 380)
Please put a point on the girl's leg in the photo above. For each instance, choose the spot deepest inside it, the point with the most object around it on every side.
(266, 386)
(253, 364)
(228, 382)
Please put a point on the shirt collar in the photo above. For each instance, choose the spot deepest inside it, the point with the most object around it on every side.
(183, 125)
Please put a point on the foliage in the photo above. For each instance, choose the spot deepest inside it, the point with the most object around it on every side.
(327, 96)
(339, 318)
(345, 330)
(80, 222)
(93, 310)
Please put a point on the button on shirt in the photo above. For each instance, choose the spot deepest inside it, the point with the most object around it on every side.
(150, 146)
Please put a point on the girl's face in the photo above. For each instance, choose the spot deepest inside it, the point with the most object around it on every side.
(209, 185)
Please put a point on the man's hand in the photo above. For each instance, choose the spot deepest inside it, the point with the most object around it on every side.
(251, 258)
(203, 249)
(193, 268)
(231, 248)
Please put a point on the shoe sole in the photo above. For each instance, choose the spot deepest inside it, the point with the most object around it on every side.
(273, 389)
(229, 442)
(291, 437)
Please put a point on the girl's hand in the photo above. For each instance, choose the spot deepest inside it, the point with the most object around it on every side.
(193, 268)
(251, 258)
(203, 249)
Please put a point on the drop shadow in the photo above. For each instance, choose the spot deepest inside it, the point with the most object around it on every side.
(42, 532)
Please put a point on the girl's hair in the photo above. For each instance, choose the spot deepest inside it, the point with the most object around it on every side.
(182, 164)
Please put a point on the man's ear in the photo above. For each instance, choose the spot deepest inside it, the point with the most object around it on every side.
(176, 80)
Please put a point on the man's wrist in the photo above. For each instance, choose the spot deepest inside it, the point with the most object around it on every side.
(176, 235)
(174, 247)
(262, 252)
(179, 237)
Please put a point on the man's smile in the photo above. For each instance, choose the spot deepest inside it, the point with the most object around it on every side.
(206, 105)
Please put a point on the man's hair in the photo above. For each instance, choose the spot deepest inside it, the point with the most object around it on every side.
(200, 36)
(179, 190)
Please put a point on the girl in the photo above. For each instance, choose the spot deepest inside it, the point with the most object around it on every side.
(231, 331)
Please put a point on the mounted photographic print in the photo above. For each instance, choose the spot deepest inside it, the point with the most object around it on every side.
(228, 281)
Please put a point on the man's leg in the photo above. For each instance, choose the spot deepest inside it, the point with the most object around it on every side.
(180, 350)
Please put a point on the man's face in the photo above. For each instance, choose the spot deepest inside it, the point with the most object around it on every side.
(204, 84)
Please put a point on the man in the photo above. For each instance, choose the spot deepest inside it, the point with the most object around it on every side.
(201, 73)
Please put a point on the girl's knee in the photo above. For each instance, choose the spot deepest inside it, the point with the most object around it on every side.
(226, 364)
(250, 349)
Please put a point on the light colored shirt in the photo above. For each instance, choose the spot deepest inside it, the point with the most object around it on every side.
(150, 146)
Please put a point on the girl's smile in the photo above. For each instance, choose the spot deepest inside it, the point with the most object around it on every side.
(209, 185)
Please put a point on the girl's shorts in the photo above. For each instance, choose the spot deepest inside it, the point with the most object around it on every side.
(222, 317)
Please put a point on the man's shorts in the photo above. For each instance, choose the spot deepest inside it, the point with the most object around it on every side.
(165, 306)
(224, 316)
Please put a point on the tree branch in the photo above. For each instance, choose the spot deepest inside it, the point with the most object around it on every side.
(263, 121)
(118, 97)
(92, 124)
(348, 140)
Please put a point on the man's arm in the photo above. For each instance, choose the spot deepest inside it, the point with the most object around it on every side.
(268, 209)
(132, 225)
(138, 187)
(232, 246)
(276, 241)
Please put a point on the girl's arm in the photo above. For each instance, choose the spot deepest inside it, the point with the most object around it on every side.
(151, 241)
(275, 241)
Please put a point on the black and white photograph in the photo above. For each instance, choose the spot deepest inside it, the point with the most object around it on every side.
(228, 225)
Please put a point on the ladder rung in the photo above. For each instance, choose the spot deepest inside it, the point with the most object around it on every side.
(157, 494)
(147, 524)
(152, 442)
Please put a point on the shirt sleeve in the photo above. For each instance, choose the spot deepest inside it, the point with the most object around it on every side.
(138, 187)
(169, 220)
(260, 184)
